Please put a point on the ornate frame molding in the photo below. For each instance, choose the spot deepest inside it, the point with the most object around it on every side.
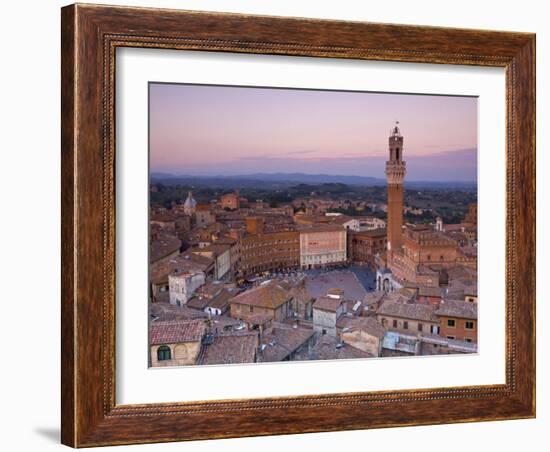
(90, 37)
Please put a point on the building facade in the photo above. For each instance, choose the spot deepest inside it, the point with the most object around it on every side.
(175, 342)
(364, 246)
(268, 301)
(221, 254)
(230, 201)
(408, 318)
(204, 216)
(183, 285)
(326, 312)
(458, 320)
(322, 246)
(270, 251)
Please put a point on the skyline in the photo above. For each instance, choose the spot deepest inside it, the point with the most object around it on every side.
(207, 130)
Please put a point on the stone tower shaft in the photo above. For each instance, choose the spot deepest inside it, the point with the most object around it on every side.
(395, 175)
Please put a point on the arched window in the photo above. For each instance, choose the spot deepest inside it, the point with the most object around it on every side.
(164, 353)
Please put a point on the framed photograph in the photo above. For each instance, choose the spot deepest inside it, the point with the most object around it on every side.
(282, 225)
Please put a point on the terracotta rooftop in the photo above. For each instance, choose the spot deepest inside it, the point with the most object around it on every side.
(300, 294)
(429, 237)
(368, 324)
(226, 240)
(230, 348)
(413, 311)
(176, 331)
(327, 304)
(320, 227)
(167, 311)
(341, 219)
(424, 291)
(197, 303)
(380, 232)
(163, 246)
(217, 249)
(221, 300)
(458, 308)
(281, 341)
(453, 227)
(210, 289)
(397, 297)
(184, 262)
(162, 216)
(328, 347)
(373, 298)
(459, 287)
(268, 295)
(460, 271)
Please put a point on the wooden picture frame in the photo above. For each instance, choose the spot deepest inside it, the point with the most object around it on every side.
(90, 36)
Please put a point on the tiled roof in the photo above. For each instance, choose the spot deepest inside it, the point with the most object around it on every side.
(413, 311)
(163, 216)
(397, 297)
(368, 324)
(461, 272)
(458, 308)
(453, 227)
(342, 219)
(373, 298)
(163, 246)
(183, 262)
(197, 303)
(424, 291)
(379, 232)
(217, 249)
(167, 311)
(320, 227)
(226, 240)
(459, 287)
(230, 348)
(176, 331)
(221, 300)
(268, 295)
(300, 294)
(327, 304)
(281, 341)
(328, 347)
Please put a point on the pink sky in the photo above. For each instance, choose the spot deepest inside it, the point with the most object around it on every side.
(220, 130)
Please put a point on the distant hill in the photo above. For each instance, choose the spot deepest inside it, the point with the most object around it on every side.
(282, 180)
(312, 178)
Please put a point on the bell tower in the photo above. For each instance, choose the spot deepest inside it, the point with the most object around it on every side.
(395, 174)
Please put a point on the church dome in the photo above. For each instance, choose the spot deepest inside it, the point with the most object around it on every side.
(190, 203)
